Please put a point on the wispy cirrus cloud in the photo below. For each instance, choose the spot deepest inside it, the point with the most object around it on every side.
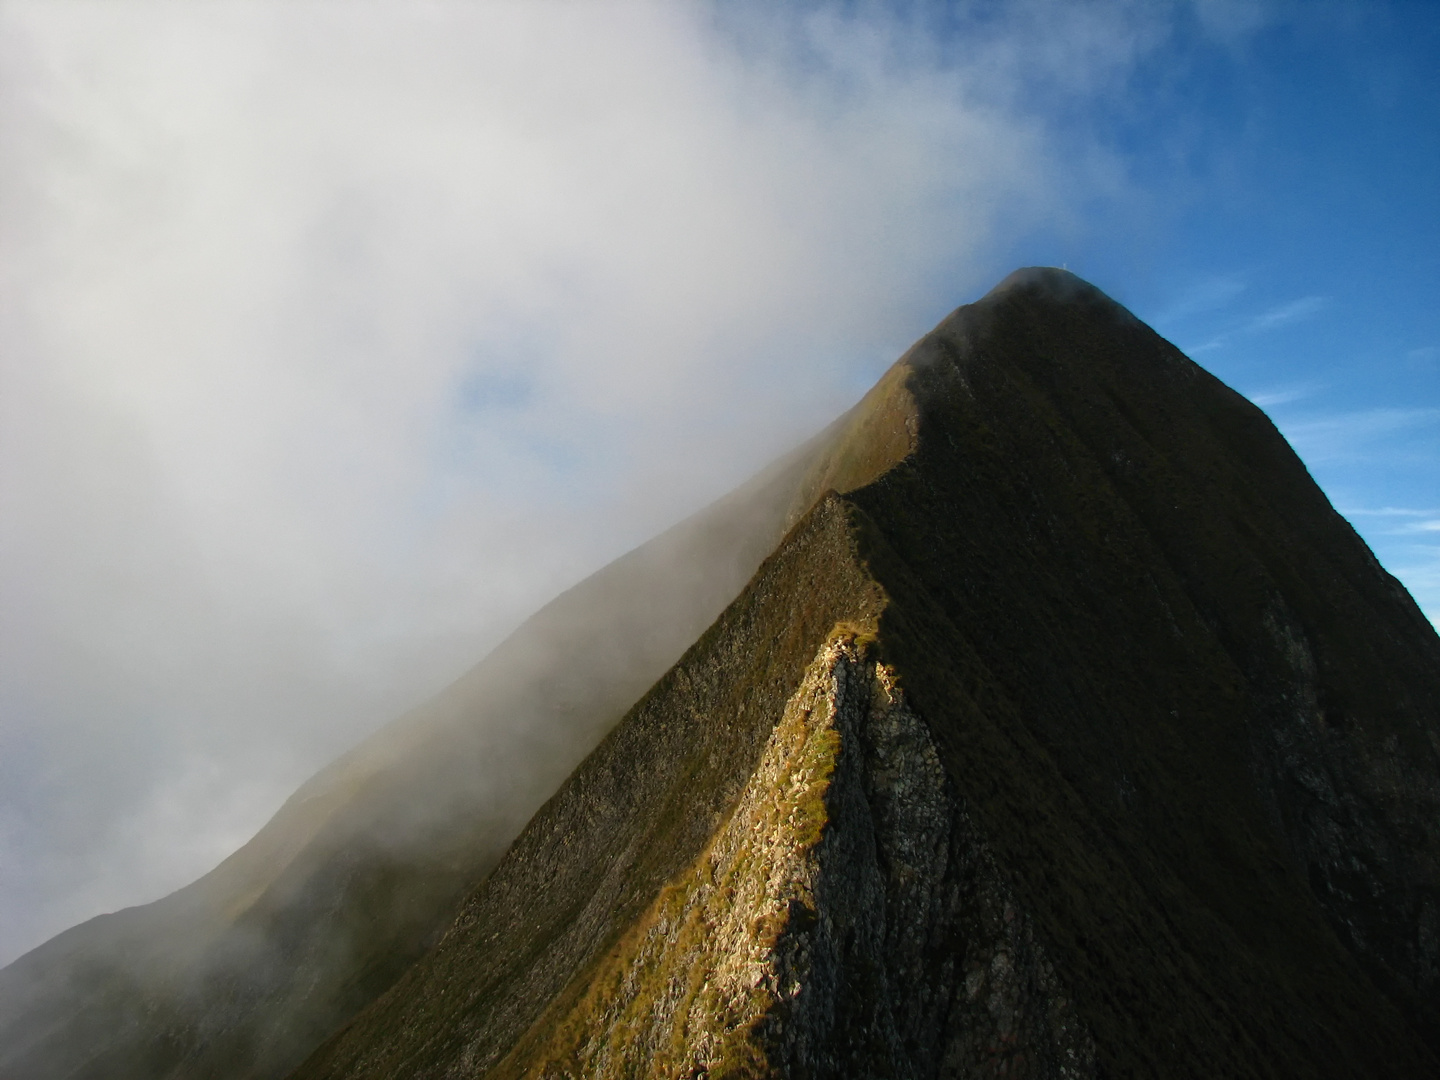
(1387, 511)
(1282, 315)
(1201, 298)
(1283, 395)
(1355, 435)
(1400, 521)
(1285, 314)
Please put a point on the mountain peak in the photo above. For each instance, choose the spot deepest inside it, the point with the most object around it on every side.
(1040, 717)
(1053, 282)
(1122, 619)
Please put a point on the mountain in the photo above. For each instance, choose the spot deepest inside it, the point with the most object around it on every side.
(1040, 718)
(243, 972)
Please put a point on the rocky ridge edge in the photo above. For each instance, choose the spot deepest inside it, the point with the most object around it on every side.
(815, 935)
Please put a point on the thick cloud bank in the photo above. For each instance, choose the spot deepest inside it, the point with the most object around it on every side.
(338, 337)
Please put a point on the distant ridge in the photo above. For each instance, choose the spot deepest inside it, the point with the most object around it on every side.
(1052, 724)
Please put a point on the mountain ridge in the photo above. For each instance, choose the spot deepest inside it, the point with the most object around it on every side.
(1187, 732)
(1100, 603)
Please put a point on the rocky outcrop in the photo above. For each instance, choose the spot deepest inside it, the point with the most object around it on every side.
(816, 934)
(687, 988)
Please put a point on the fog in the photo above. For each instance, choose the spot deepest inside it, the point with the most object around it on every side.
(337, 338)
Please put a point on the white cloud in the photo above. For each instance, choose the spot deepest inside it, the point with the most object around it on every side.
(1285, 314)
(1353, 435)
(339, 337)
(1283, 395)
(1207, 346)
(1388, 511)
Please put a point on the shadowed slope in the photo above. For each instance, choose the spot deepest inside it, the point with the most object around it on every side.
(1229, 823)
(243, 972)
(1186, 817)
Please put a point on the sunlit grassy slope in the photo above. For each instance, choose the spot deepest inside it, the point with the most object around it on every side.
(1188, 730)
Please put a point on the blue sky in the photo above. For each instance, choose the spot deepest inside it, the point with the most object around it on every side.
(1289, 241)
(337, 338)
(1306, 271)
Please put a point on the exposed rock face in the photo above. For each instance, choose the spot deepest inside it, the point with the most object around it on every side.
(687, 986)
(810, 937)
(1067, 732)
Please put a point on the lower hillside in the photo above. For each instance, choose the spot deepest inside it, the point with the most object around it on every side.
(640, 810)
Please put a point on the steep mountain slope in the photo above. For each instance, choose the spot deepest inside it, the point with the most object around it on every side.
(1084, 740)
(243, 972)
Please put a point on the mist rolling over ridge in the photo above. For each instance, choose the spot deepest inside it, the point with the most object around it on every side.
(1063, 707)
(342, 341)
(338, 343)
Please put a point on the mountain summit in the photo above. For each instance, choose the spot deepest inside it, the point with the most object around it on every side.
(1039, 718)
